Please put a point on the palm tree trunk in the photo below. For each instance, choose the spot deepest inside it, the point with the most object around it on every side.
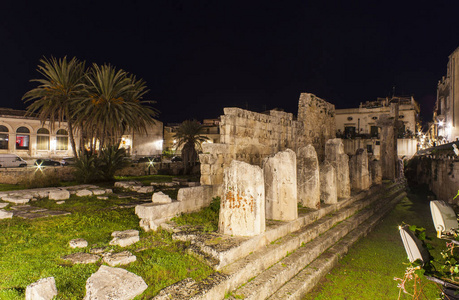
(72, 138)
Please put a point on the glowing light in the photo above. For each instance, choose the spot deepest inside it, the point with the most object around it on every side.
(440, 123)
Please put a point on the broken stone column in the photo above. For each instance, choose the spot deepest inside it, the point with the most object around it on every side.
(328, 183)
(308, 177)
(358, 170)
(242, 208)
(334, 154)
(375, 171)
(280, 186)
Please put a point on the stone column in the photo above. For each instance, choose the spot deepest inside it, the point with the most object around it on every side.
(334, 154)
(375, 171)
(358, 170)
(328, 183)
(242, 208)
(280, 186)
(388, 153)
(308, 177)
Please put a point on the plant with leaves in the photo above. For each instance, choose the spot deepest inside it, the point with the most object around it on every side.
(87, 168)
(111, 160)
(112, 106)
(58, 92)
(189, 135)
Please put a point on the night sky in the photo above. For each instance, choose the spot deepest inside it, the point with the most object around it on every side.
(200, 56)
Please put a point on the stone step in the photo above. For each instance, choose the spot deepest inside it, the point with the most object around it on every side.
(306, 279)
(275, 277)
(253, 264)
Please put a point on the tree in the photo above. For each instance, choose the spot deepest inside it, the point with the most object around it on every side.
(189, 136)
(112, 105)
(58, 92)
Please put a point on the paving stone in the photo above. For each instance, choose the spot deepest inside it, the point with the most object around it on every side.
(84, 193)
(82, 258)
(16, 199)
(99, 250)
(3, 205)
(98, 192)
(5, 214)
(121, 258)
(78, 243)
(146, 189)
(59, 195)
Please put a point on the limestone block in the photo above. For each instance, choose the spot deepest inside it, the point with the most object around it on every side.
(334, 154)
(98, 192)
(78, 243)
(82, 258)
(215, 148)
(5, 214)
(114, 283)
(84, 193)
(43, 194)
(328, 183)
(281, 186)
(121, 258)
(125, 238)
(43, 289)
(242, 208)
(16, 199)
(376, 171)
(359, 171)
(160, 197)
(146, 189)
(3, 205)
(59, 195)
(308, 177)
(60, 202)
(108, 191)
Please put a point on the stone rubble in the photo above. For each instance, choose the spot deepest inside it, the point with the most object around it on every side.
(114, 284)
(160, 197)
(5, 214)
(3, 205)
(124, 238)
(84, 193)
(43, 289)
(59, 195)
(121, 258)
(82, 258)
(78, 243)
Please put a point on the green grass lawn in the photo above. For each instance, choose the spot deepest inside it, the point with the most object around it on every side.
(32, 249)
(368, 270)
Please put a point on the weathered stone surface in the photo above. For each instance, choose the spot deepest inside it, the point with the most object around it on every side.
(78, 243)
(146, 189)
(60, 202)
(59, 195)
(43, 289)
(84, 193)
(16, 199)
(121, 258)
(102, 197)
(160, 197)
(2, 205)
(242, 208)
(98, 250)
(82, 258)
(334, 154)
(98, 192)
(125, 238)
(359, 173)
(114, 284)
(280, 186)
(328, 183)
(308, 177)
(376, 171)
(5, 214)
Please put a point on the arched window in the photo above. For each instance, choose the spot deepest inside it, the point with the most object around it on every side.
(22, 138)
(4, 137)
(62, 139)
(42, 139)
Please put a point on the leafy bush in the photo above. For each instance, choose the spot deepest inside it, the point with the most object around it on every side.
(87, 168)
(111, 160)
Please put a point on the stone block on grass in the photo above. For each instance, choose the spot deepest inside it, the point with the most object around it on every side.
(59, 195)
(125, 238)
(43, 289)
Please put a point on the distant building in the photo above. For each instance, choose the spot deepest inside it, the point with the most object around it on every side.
(445, 125)
(358, 126)
(211, 130)
(28, 138)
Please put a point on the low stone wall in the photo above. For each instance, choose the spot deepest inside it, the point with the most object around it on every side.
(21, 175)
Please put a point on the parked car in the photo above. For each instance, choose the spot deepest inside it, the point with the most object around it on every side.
(176, 158)
(45, 162)
(11, 160)
(67, 161)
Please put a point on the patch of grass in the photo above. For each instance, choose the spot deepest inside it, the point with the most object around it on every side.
(205, 220)
(147, 179)
(33, 249)
(11, 187)
(369, 268)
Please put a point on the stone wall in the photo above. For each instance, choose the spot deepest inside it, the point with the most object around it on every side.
(21, 175)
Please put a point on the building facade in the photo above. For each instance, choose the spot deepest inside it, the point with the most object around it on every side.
(29, 138)
(445, 123)
(358, 126)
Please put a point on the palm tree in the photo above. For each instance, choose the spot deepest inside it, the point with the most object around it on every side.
(189, 135)
(112, 106)
(58, 92)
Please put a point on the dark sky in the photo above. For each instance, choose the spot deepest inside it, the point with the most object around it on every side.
(200, 56)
